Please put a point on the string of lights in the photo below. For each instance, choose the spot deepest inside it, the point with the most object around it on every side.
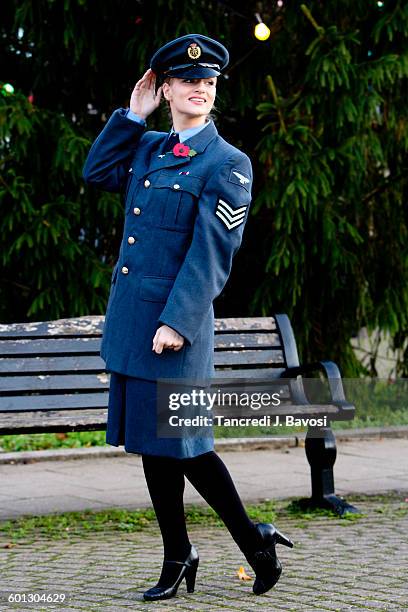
(261, 30)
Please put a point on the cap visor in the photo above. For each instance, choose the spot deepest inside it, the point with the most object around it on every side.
(195, 72)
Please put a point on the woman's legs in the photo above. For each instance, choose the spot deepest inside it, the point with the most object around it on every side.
(165, 481)
(210, 476)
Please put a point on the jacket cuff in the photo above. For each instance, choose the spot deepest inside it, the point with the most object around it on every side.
(134, 117)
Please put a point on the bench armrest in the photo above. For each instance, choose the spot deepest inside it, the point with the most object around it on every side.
(332, 372)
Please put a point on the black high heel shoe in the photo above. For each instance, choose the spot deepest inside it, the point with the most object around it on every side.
(188, 570)
(264, 562)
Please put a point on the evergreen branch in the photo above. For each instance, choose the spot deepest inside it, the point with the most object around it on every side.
(275, 97)
(6, 185)
(15, 283)
(321, 31)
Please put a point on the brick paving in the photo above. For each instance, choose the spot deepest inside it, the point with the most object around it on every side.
(336, 565)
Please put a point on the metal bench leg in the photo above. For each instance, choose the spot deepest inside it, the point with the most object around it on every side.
(320, 446)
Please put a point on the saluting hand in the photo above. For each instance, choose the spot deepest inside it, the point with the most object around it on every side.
(143, 100)
(167, 337)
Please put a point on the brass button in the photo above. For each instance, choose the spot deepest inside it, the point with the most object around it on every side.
(176, 186)
(136, 211)
(131, 240)
(147, 183)
(125, 270)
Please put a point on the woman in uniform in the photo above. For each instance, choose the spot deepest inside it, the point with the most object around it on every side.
(187, 197)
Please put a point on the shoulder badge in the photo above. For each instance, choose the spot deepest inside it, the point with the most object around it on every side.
(240, 178)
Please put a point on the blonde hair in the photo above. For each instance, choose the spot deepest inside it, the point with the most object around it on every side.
(210, 116)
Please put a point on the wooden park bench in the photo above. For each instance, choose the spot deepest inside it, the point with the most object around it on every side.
(52, 379)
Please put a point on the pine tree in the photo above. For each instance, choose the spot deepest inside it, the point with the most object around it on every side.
(334, 178)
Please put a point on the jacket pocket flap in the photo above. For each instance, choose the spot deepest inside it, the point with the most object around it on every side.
(155, 288)
(180, 182)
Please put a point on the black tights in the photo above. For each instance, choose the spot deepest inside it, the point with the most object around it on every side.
(209, 475)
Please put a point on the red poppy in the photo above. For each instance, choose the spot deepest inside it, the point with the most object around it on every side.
(181, 150)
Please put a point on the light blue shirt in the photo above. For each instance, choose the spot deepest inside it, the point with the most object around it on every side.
(183, 135)
(189, 132)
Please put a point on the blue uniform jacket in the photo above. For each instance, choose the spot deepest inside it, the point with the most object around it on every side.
(184, 220)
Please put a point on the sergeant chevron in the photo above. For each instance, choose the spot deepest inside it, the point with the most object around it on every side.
(231, 217)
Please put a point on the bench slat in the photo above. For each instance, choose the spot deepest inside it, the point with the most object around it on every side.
(231, 324)
(79, 326)
(25, 385)
(29, 403)
(35, 403)
(285, 409)
(251, 373)
(95, 419)
(73, 365)
(244, 357)
(93, 326)
(68, 382)
(53, 421)
(50, 346)
(248, 340)
(40, 365)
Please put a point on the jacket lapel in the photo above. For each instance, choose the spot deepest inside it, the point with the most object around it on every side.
(199, 143)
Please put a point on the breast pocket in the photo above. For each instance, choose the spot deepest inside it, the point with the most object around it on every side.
(177, 200)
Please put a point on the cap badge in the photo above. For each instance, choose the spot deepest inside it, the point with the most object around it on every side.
(194, 51)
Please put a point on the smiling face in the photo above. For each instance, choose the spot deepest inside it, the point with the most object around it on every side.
(190, 98)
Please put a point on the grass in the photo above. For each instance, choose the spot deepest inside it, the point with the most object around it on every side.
(69, 524)
(31, 442)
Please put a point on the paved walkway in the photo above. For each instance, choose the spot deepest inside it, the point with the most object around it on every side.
(55, 486)
(335, 565)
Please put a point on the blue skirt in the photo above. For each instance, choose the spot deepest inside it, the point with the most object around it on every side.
(132, 422)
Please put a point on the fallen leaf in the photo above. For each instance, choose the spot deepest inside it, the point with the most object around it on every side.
(242, 575)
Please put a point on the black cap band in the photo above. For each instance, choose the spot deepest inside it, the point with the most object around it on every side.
(191, 65)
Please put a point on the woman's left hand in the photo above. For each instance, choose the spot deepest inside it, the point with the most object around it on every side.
(167, 337)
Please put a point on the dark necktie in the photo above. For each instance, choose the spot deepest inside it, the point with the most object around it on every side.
(171, 141)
